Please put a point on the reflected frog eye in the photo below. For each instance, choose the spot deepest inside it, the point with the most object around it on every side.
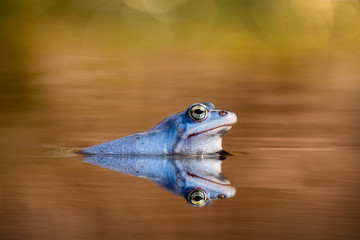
(197, 198)
(198, 112)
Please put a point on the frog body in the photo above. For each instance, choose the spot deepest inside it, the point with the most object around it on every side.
(197, 130)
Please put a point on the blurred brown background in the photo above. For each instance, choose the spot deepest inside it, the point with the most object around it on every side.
(74, 73)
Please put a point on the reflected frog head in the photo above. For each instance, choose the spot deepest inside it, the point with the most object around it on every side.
(200, 181)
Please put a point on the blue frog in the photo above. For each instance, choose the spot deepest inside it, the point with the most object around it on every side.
(196, 131)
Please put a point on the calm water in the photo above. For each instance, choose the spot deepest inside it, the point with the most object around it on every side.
(296, 144)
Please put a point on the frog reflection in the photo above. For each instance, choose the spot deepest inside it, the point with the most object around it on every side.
(198, 179)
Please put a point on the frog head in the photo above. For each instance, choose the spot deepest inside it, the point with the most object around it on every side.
(201, 128)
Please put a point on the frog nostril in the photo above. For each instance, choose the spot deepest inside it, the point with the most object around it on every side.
(221, 196)
(223, 113)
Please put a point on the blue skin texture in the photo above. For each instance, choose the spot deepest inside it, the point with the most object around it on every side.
(178, 134)
(177, 174)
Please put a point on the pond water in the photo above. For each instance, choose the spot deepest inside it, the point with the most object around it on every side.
(295, 162)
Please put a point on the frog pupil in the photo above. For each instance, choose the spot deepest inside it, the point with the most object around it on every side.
(198, 111)
(198, 198)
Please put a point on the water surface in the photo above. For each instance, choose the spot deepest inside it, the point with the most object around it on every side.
(296, 149)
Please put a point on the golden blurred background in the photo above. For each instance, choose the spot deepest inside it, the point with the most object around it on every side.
(74, 73)
(37, 35)
(246, 28)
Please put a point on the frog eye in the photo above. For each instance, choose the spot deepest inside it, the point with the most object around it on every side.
(197, 198)
(198, 112)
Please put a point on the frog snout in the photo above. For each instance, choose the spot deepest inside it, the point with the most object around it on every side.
(229, 116)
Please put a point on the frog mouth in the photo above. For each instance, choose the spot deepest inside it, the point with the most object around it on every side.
(207, 130)
(208, 180)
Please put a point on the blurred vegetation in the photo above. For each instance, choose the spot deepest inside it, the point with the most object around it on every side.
(236, 27)
(283, 29)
